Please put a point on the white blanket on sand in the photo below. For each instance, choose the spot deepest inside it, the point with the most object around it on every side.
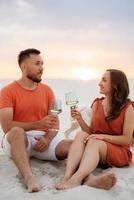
(48, 173)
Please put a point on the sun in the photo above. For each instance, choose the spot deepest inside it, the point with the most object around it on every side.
(85, 73)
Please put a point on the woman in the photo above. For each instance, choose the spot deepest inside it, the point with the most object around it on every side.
(107, 140)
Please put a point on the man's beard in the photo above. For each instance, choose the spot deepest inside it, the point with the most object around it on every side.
(34, 79)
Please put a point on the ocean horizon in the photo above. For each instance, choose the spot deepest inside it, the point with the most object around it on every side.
(86, 91)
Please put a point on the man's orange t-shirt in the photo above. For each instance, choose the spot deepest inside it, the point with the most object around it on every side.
(28, 105)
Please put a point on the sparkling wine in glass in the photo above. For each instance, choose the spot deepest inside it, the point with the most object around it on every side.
(55, 109)
(71, 100)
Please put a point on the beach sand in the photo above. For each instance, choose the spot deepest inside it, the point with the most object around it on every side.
(48, 173)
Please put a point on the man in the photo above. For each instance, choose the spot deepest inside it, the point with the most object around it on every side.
(29, 129)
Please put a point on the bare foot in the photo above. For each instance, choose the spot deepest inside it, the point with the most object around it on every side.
(105, 181)
(32, 184)
(70, 183)
(63, 180)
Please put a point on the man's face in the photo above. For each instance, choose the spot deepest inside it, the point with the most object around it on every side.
(34, 67)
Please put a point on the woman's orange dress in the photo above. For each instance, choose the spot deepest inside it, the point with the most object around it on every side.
(117, 155)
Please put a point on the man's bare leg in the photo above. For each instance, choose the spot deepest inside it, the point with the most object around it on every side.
(18, 140)
(62, 149)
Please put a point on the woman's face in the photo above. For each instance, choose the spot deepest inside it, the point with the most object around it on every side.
(105, 84)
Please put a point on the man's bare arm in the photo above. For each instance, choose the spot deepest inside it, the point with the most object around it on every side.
(7, 122)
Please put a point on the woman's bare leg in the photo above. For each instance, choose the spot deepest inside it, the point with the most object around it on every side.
(74, 157)
(95, 151)
(104, 181)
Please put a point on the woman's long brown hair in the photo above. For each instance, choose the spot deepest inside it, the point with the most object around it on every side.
(120, 92)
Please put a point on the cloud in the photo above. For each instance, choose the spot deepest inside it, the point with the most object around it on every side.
(65, 28)
(23, 3)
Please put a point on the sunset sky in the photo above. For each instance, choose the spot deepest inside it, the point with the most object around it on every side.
(78, 39)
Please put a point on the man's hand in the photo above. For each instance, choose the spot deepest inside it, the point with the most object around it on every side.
(42, 144)
(49, 122)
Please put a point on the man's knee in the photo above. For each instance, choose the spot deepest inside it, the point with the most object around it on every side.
(67, 144)
(14, 134)
(62, 148)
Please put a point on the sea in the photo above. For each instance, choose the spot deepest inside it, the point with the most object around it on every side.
(86, 91)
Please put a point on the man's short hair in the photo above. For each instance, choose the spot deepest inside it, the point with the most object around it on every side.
(26, 53)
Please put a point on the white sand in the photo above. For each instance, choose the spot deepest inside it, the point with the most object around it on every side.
(48, 173)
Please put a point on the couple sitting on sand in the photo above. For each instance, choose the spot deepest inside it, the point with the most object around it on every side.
(31, 132)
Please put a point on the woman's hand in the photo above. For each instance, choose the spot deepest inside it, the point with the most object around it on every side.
(76, 114)
(95, 136)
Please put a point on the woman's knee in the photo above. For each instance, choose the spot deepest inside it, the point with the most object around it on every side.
(101, 147)
(81, 135)
(96, 143)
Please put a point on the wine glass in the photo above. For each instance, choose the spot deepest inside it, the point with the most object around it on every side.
(72, 101)
(55, 109)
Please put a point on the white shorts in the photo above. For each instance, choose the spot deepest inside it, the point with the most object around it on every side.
(49, 154)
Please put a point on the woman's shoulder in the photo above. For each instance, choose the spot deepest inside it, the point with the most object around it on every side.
(96, 101)
(132, 103)
(130, 106)
(127, 104)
